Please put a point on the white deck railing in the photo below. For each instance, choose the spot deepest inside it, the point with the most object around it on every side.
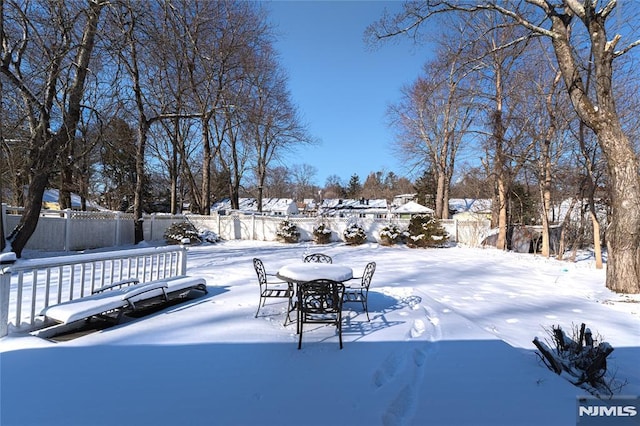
(28, 286)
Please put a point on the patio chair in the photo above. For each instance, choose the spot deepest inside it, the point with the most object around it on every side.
(272, 289)
(318, 258)
(360, 293)
(320, 302)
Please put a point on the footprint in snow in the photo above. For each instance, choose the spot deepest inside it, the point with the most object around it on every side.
(388, 370)
(418, 329)
(400, 407)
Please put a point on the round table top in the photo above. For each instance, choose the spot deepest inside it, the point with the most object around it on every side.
(309, 271)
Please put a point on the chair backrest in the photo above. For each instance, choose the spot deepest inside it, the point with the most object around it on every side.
(262, 273)
(368, 274)
(318, 258)
(321, 297)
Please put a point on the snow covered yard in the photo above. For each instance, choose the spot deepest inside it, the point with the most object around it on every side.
(449, 343)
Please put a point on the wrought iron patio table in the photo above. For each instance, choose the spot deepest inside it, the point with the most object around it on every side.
(301, 272)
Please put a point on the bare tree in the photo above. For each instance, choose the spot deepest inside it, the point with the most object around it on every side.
(501, 74)
(139, 52)
(302, 176)
(559, 22)
(434, 117)
(273, 125)
(547, 128)
(43, 44)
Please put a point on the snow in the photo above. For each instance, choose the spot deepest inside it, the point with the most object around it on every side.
(412, 207)
(300, 272)
(449, 343)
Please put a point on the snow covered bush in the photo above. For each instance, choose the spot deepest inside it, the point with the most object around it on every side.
(390, 235)
(288, 232)
(426, 231)
(209, 237)
(354, 234)
(321, 234)
(186, 233)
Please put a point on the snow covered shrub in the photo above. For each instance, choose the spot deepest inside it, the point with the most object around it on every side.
(288, 232)
(181, 233)
(354, 234)
(390, 235)
(186, 233)
(321, 234)
(209, 237)
(426, 231)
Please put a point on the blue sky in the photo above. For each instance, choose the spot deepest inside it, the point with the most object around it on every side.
(341, 86)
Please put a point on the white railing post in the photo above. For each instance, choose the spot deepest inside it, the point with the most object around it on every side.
(5, 286)
(183, 261)
(5, 283)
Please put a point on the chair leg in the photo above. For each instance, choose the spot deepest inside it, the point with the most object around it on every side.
(340, 332)
(290, 307)
(260, 304)
(299, 333)
(366, 308)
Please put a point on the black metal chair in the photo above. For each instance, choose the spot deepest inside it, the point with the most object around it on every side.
(320, 302)
(272, 289)
(360, 293)
(318, 258)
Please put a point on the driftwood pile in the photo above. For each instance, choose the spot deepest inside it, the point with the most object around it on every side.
(581, 360)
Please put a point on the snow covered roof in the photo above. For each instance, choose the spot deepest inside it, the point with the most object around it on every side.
(51, 196)
(413, 207)
(471, 205)
(280, 205)
(349, 203)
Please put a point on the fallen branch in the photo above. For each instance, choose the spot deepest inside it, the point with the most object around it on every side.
(583, 361)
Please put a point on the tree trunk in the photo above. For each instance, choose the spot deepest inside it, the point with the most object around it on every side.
(205, 208)
(143, 128)
(501, 243)
(66, 184)
(597, 244)
(29, 219)
(623, 233)
(439, 213)
(565, 225)
(173, 177)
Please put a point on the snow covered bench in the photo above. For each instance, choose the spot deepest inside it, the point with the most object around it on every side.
(122, 297)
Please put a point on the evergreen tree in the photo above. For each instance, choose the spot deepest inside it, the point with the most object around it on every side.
(354, 189)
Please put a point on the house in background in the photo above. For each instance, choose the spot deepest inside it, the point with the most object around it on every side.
(308, 207)
(470, 209)
(362, 208)
(409, 209)
(51, 196)
(270, 206)
(401, 199)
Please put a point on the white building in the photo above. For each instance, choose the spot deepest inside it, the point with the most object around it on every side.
(362, 208)
(470, 208)
(270, 206)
